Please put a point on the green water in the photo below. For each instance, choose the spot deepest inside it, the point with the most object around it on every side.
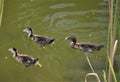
(87, 19)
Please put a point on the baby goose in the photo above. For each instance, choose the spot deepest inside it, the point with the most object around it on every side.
(89, 48)
(24, 59)
(43, 40)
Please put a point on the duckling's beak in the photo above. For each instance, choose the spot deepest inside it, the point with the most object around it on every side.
(24, 30)
(66, 38)
(9, 49)
(39, 65)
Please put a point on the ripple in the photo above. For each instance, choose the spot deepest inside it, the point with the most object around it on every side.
(60, 15)
(105, 19)
(69, 24)
(62, 5)
(103, 4)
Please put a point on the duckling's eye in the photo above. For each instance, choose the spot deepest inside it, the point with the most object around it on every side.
(14, 49)
(28, 28)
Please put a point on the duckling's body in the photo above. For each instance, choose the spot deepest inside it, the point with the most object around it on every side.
(43, 40)
(24, 59)
(89, 48)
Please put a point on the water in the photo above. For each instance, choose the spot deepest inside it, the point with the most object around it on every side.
(87, 19)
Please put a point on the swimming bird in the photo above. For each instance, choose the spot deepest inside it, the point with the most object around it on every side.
(42, 40)
(24, 59)
(89, 48)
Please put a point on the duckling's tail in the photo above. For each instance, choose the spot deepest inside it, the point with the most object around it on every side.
(51, 41)
(100, 46)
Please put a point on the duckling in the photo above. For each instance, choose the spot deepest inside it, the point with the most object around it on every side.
(89, 48)
(24, 59)
(42, 40)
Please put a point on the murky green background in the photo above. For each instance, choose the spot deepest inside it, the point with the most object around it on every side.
(87, 19)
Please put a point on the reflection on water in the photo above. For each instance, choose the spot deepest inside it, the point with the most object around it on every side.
(86, 19)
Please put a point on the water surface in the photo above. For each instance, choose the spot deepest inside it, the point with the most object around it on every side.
(87, 19)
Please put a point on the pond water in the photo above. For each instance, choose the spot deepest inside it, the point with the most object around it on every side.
(87, 19)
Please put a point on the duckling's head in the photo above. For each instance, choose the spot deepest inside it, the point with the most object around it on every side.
(36, 62)
(28, 30)
(71, 38)
(13, 50)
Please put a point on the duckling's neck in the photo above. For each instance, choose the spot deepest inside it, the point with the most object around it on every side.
(15, 54)
(73, 43)
(30, 35)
